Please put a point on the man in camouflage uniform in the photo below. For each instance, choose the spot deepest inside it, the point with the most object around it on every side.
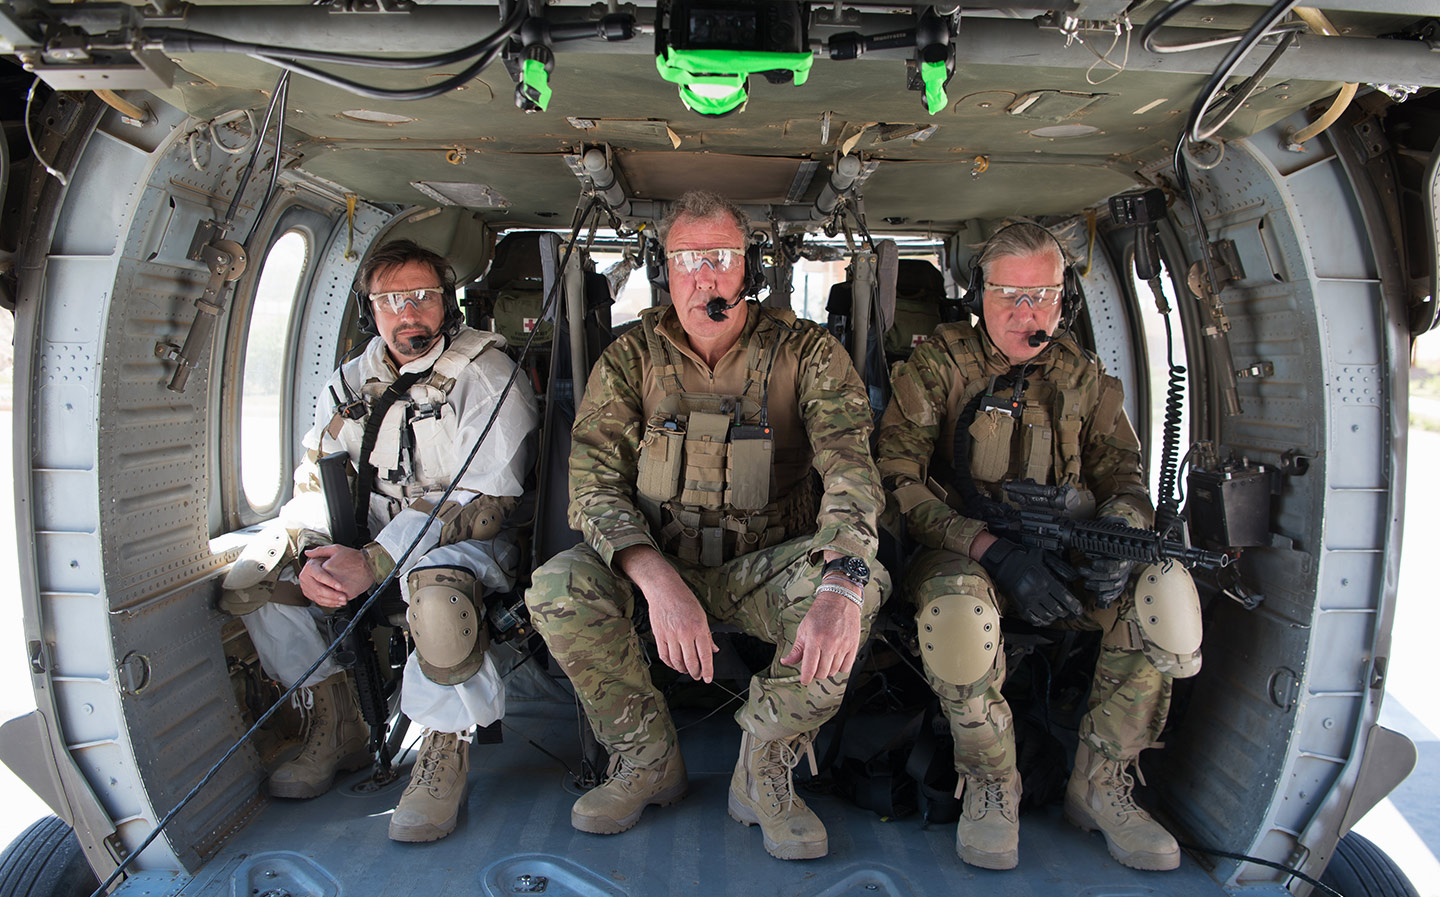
(1067, 427)
(691, 479)
(407, 411)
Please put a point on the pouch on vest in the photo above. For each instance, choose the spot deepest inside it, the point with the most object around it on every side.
(705, 450)
(748, 470)
(661, 453)
(991, 431)
(518, 312)
(1037, 444)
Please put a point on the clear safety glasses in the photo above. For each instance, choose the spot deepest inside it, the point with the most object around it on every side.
(1038, 297)
(395, 302)
(691, 261)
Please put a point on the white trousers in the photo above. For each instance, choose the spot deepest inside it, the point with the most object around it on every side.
(289, 638)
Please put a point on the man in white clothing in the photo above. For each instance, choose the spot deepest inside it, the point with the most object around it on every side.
(407, 411)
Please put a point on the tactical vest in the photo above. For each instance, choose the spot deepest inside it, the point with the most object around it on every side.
(707, 467)
(412, 448)
(1041, 442)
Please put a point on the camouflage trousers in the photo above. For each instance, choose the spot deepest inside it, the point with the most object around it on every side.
(584, 611)
(1129, 697)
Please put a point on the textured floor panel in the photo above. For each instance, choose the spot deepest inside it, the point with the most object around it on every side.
(514, 837)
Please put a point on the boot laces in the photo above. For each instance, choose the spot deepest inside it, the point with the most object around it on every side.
(437, 747)
(622, 770)
(312, 733)
(992, 794)
(1116, 779)
(777, 759)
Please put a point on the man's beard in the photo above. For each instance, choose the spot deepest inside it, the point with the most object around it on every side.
(416, 343)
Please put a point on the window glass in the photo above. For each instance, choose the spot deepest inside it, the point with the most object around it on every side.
(1155, 350)
(261, 417)
(632, 296)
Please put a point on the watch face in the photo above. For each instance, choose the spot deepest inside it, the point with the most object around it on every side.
(858, 570)
(853, 568)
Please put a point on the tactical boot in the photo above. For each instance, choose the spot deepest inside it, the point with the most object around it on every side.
(615, 805)
(1099, 797)
(431, 803)
(988, 834)
(762, 793)
(336, 738)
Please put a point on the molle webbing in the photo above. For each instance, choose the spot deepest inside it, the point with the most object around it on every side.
(365, 476)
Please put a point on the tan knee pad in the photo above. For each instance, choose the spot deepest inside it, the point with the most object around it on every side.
(960, 636)
(1167, 614)
(267, 591)
(446, 624)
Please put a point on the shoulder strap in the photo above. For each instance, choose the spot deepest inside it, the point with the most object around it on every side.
(667, 370)
(463, 349)
(365, 475)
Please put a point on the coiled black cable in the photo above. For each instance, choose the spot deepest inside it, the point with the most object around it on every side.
(1168, 510)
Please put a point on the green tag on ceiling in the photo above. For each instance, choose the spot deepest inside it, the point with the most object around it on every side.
(933, 74)
(534, 77)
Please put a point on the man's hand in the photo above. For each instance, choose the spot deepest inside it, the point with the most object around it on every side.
(1023, 575)
(334, 575)
(1107, 577)
(828, 638)
(681, 628)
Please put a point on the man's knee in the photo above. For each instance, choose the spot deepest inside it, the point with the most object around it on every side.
(447, 622)
(267, 591)
(574, 584)
(960, 641)
(1163, 621)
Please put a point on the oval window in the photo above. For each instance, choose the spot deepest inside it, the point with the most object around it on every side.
(261, 416)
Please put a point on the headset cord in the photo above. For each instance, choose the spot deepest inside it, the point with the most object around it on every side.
(1167, 512)
(374, 594)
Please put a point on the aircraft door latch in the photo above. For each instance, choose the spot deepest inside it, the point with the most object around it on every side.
(226, 260)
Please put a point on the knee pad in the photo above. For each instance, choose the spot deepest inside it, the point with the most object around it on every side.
(446, 624)
(1167, 613)
(267, 591)
(960, 636)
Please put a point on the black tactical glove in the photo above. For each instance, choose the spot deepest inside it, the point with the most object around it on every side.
(1107, 577)
(1024, 576)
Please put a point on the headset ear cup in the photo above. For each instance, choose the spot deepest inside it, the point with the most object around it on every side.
(655, 267)
(754, 269)
(1072, 295)
(974, 291)
(364, 314)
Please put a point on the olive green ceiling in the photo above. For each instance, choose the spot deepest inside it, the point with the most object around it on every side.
(981, 160)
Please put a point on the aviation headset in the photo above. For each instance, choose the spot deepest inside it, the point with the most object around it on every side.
(659, 272)
(1072, 293)
(454, 317)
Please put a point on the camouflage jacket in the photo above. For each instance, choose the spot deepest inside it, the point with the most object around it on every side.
(1090, 443)
(826, 428)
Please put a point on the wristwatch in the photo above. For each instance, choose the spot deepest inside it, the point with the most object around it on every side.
(852, 568)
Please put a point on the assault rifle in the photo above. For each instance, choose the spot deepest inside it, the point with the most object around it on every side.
(1037, 516)
(357, 652)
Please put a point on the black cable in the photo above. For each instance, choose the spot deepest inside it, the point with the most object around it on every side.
(181, 40)
(255, 154)
(1168, 509)
(1207, 94)
(1199, 848)
(382, 93)
(374, 594)
(283, 89)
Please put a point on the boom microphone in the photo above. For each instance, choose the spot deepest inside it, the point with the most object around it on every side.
(716, 308)
(423, 341)
(1038, 339)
